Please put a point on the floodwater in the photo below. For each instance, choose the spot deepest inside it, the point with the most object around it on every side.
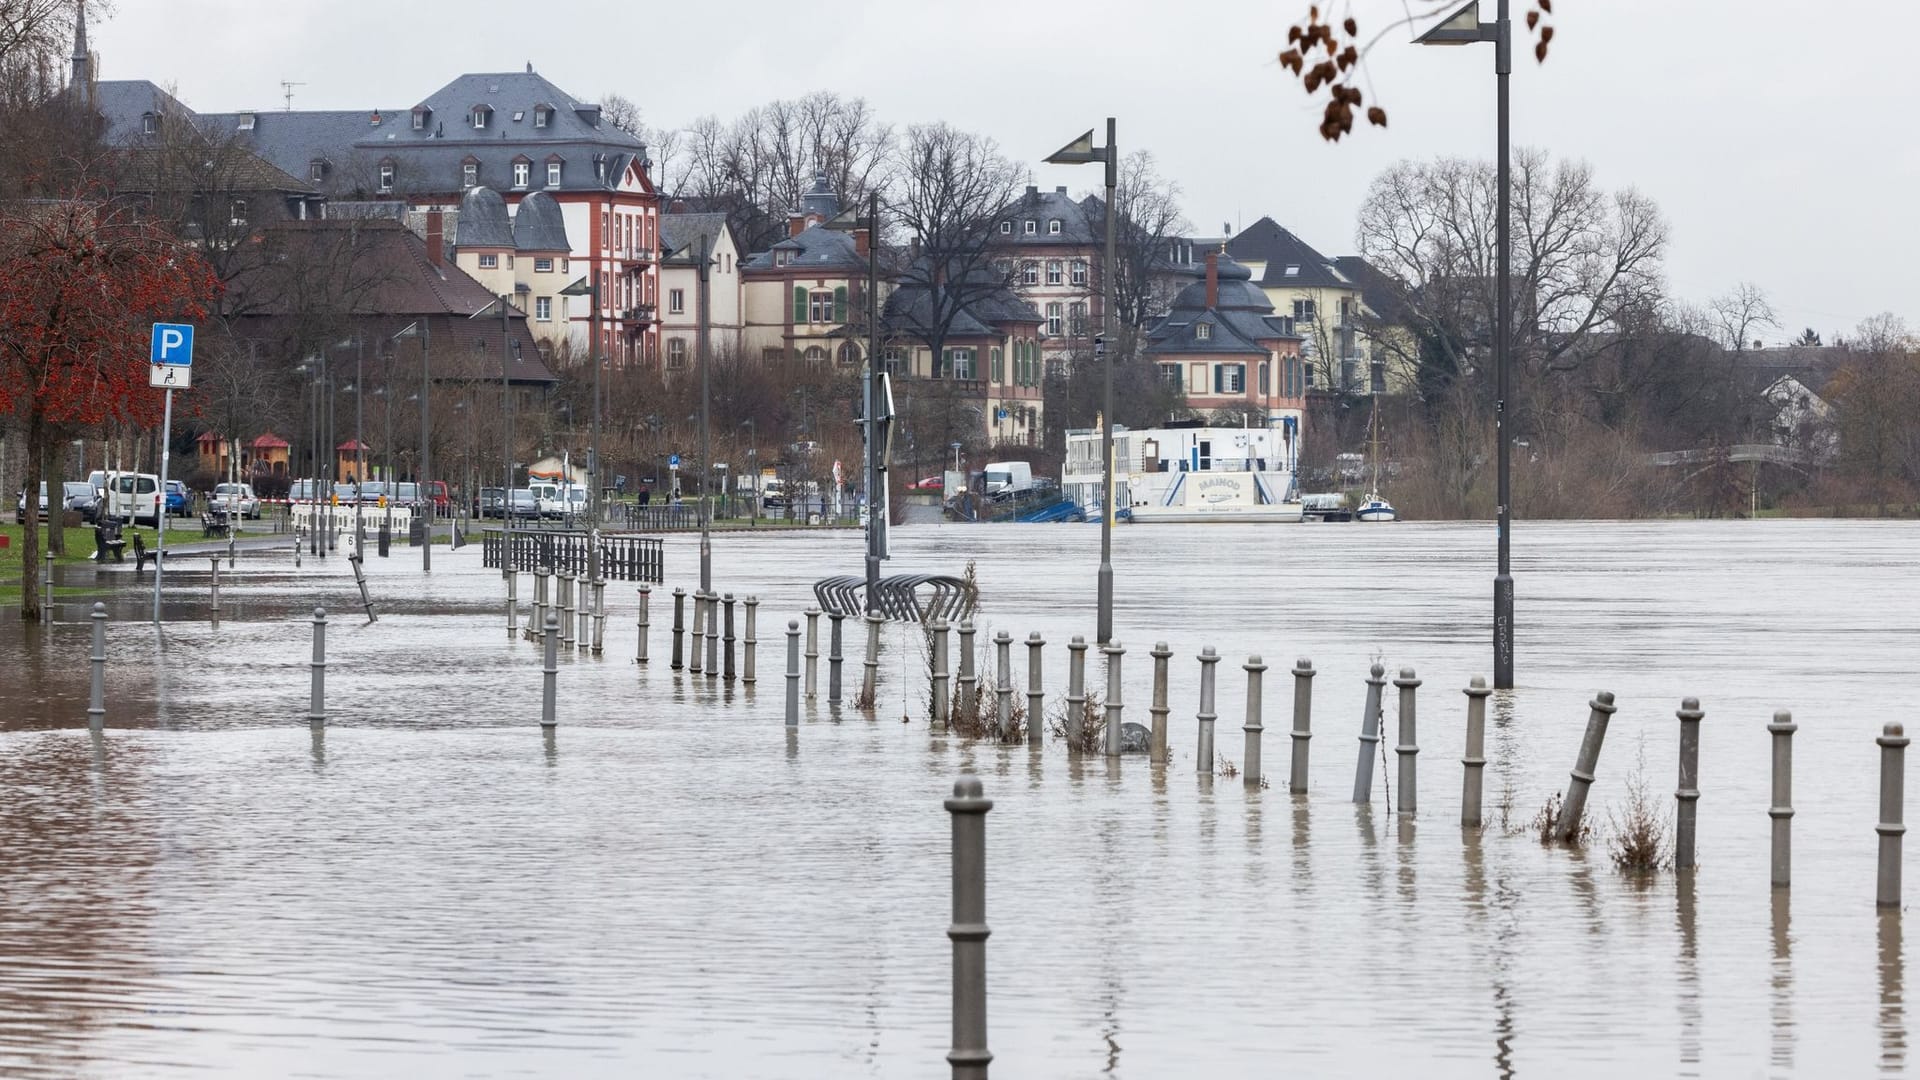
(675, 886)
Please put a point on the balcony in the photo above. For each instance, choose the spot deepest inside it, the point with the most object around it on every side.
(640, 313)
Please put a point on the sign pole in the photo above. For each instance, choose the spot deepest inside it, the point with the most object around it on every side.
(160, 506)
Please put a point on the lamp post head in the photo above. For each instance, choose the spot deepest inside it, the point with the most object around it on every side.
(1080, 151)
(1463, 27)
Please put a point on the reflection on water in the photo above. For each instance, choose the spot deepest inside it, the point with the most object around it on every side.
(684, 892)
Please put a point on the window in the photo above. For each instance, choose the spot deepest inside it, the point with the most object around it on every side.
(1293, 270)
(822, 307)
(543, 308)
(419, 119)
(1006, 228)
(1077, 319)
(149, 123)
(1302, 309)
(543, 266)
(1053, 271)
(1053, 227)
(677, 353)
(1028, 228)
(489, 262)
(1229, 378)
(816, 355)
(237, 212)
(553, 174)
(316, 170)
(1170, 375)
(1054, 314)
(677, 301)
(772, 354)
(1079, 271)
(541, 116)
(469, 175)
(386, 176)
(960, 364)
(997, 363)
(479, 117)
(520, 171)
(893, 360)
(1266, 379)
(1029, 272)
(1203, 331)
(782, 257)
(848, 354)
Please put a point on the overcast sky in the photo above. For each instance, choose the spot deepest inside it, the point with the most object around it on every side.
(1787, 161)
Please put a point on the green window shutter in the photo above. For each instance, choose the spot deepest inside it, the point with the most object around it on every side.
(839, 303)
(799, 304)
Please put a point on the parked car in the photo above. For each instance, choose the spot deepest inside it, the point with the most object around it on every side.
(20, 508)
(345, 492)
(522, 505)
(303, 490)
(80, 497)
(372, 491)
(134, 497)
(487, 503)
(179, 499)
(442, 501)
(234, 499)
(407, 493)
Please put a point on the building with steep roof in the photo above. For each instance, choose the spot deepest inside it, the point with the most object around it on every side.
(1055, 246)
(1327, 304)
(526, 257)
(1226, 349)
(990, 372)
(680, 238)
(802, 293)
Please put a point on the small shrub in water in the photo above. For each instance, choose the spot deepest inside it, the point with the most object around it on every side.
(1549, 816)
(1639, 839)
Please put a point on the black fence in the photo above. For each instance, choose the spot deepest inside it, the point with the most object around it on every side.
(729, 511)
(622, 558)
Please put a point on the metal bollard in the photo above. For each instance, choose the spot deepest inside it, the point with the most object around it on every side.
(542, 600)
(646, 594)
(1036, 689)
(699, 633)
(938, 716)
(97, 698)
(1003, 685)
(1576, 801)
(1369, 735)
(1157, 746)
(1253, 727)
(726, 655)
(1687, 795)
(679, 627)
(213, 564)
(1781, 811)
(360, 578)
(550, 673)
(746, 652)
(969, 701)
(835, 655)
(599, 616)
(1302, 725)
(317, 698)
(1409, 748)
(1076, 690)
(570, 603)
(1893, 783)
(46, 590)
(870, 679)
(969, 1056)
(713, 635)
(793, 673)
(1476, 759)
(813, 652)
(1208, 658)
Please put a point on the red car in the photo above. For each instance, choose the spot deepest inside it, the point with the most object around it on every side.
(442, 502)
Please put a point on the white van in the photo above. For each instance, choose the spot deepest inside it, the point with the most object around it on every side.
(546, 496)
(134, 497)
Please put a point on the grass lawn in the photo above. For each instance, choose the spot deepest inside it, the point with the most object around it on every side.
(79, 550)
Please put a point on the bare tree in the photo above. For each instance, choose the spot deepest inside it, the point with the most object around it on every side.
(1740, 314)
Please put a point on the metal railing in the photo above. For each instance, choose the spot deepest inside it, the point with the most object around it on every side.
(622, 558)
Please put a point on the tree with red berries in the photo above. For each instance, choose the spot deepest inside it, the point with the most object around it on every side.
(82, 280)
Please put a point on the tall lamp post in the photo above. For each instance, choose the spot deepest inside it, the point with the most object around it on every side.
(421, 329)
(1081, 151)
(1464, 27)
(589, 287)
(703, 262)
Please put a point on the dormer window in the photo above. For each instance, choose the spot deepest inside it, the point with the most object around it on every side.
(470, 173)
(782, 258)
(1203, 331)
(149, 123)
(1006, 228)
(1053, 227)
(1029, 228)
(1293, 270)
(553, 174)
(522, 172)
(386, 176)
(420, 116)
(316, 170)
(542, 116)
(479, 117)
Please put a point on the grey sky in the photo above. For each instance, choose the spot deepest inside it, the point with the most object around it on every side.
(1787, 161)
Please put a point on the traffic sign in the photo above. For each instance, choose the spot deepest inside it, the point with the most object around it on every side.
(170, 376)
(673, 461)
(172, 344)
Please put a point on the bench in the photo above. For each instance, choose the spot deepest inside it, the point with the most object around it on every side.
(141, 556)
(107, 542)
(214, 523)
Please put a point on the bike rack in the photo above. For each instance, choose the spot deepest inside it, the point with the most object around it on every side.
(915, 598)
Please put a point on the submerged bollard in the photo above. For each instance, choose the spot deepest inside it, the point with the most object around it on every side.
(1003, 684)
(699, 633)
(550, 673)
(599, 616)
(679, 627)
(793, 673)
(1254, 668)
(813, 652)
(835, 654)
(1208, 658)
(1781, 811)
(1893, 783)
(746, 652)
(1369, 735)
(646, 593)
(569, 605)
(1036, 689)
(726, 655)
(542, 600)
(1408, 748)
(1115, 653)
(1576, 801)
(1687, 795)
(969, 1056)
(938, 716)
(1476, 760)
(1157, 744)
(213, 564)
(1076, 690)
(713, 635)
(360, 578)
(870, 679)
(46, 590)
(317, 697)
(969, 701)
(97, 697)
(1302, 725)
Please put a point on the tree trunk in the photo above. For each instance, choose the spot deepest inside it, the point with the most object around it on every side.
(56, 504)
(30, 599)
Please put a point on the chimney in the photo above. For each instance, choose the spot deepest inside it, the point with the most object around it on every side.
(860, 241)
(1033, 193)
(435, 239)
(1061, 190)
(1213, 279)
(796, 224)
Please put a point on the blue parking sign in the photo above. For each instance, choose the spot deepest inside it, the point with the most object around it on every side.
(172, 344)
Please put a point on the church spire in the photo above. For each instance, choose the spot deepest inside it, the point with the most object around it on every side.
(82, 59)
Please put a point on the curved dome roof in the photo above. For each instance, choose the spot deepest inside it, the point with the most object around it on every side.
(1237, 290)
(538, 225)
(483, 220)
(820, 199)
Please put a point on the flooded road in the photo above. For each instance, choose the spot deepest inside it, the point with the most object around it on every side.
(674, 886)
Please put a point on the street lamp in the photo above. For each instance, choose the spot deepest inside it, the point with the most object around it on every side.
(1464, 27)
(1081, 151)
(426, 425)
(589, 287)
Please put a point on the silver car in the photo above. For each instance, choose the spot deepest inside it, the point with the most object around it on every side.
(234, 499)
